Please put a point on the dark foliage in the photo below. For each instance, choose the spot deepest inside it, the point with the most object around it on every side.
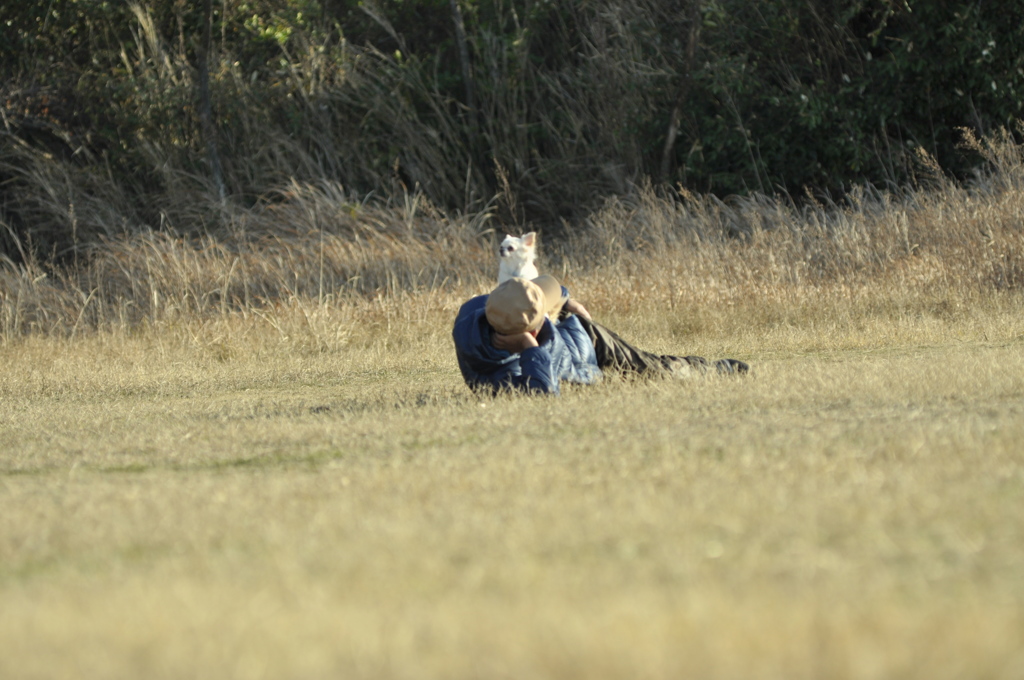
(549, 105)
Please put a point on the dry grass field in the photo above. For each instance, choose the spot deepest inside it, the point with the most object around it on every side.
(215, 465)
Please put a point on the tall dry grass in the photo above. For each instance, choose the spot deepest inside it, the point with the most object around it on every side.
(935, 249)
(315, 246)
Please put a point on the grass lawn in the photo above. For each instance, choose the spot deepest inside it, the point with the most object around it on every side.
(222, 502)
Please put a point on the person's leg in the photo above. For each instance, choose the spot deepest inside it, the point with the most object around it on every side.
(614, 352)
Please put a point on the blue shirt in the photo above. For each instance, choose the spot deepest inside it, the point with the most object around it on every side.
(566, 352)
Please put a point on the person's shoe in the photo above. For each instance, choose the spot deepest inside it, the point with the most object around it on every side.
(732, 366)
(682, 367)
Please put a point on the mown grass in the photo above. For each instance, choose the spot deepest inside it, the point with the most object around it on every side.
(199, 500)
(216, 464)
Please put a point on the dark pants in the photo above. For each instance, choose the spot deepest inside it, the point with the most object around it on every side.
(615, 353)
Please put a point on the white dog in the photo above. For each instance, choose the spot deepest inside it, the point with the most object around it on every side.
(517, 257)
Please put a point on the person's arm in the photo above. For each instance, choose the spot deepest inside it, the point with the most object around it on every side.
(514, 344)
(535, 363)
(538, 376)
(574, 307)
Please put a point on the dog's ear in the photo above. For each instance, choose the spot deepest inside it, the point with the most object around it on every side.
(529, 238)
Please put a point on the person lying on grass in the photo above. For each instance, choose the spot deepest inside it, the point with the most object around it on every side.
(528, 335)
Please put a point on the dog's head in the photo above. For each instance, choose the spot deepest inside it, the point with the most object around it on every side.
(519, 248)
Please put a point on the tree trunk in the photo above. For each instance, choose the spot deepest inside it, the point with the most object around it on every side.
(684, 90)
(460, 39)
(209, 130)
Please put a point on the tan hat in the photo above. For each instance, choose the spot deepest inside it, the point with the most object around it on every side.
(518, 305)
(552, 293)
